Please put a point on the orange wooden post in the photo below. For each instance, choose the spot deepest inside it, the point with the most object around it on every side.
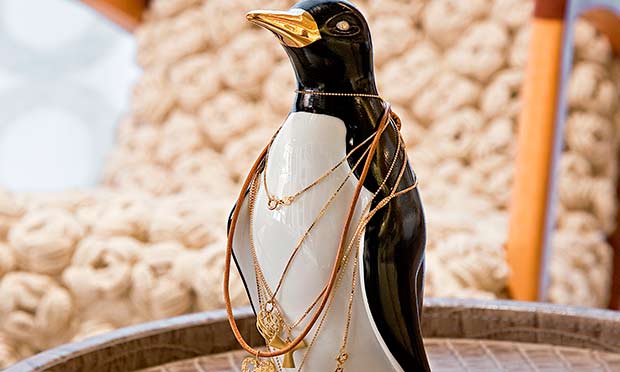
(126, 13)
(529, 212)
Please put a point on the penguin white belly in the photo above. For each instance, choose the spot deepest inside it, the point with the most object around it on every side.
(306, 147)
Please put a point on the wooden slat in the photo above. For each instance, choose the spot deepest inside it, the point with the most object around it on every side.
(534, 160)
(126, 13)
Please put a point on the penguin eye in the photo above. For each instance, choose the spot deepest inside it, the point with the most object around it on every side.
(343, 25)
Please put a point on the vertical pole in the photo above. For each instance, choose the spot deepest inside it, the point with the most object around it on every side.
(530, 216)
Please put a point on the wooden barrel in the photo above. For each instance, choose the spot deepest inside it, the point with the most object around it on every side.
(461, 335)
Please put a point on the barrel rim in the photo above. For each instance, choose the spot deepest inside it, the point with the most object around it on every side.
(443, 318)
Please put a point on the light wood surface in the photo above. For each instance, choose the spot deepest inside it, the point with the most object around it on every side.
(528, 210)
(450, 355)
(461, 335)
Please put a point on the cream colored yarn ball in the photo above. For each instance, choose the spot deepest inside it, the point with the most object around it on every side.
(35, 309)
(123, 214)
(180, 135)
(419, 65)
(208, 271)
(44, 240)
(226, 117)
(445, 20)
(454, 91)
(195, 79)
(480, 52)
(498, 98)
(183, 220)
(101, 268)
(155, 293)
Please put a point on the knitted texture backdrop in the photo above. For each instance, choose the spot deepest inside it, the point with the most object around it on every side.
(149, 243)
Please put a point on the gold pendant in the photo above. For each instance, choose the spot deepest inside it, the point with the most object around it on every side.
(269, 324)
(288, 361)
(252, 364)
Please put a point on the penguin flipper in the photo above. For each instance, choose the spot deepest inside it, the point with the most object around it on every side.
(393, 255)
(393, 271)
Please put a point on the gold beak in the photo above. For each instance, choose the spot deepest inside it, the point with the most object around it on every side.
(296, 28)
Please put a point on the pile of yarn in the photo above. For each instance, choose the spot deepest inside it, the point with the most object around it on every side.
(202, 111)
(76, 264)
(149, 243)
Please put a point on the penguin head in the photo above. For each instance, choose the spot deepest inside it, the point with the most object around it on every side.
(327, 41)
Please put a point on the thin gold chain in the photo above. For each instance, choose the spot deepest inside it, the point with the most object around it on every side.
(317, 93)
(274, 202)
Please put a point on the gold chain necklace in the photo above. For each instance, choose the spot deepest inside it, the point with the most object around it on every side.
(335, 94)
(274, 202)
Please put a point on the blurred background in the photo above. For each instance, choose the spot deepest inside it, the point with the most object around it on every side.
(66, 75)
(126, 129)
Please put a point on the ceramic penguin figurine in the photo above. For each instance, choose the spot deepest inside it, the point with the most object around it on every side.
(329, 45)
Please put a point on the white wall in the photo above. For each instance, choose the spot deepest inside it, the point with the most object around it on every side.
(65, 79)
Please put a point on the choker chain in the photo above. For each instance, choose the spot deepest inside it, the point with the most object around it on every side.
(393, 115)
(316, 93)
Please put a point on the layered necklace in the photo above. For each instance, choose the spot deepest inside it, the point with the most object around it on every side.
(270, 317)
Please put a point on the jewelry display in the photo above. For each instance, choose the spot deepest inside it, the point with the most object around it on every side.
(288, 248)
